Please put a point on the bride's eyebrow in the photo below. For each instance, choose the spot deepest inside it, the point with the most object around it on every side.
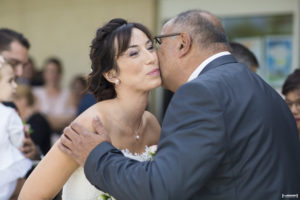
(133, 46)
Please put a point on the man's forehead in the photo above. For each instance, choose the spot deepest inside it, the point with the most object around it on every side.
(168, 27)
(17, 51)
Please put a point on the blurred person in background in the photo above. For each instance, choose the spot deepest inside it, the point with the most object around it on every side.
(31, 75)
(243, 55)
(77, 90)
(13, 164)
(14, 47)
(52, 100)
(81, 98)
(36, 123)
(291, 92)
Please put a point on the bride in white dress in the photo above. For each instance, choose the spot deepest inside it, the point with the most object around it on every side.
(124, 70)
(78, 187)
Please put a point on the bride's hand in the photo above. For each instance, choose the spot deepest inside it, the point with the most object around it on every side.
(78, 142)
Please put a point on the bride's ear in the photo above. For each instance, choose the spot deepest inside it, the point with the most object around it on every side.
(111, 77)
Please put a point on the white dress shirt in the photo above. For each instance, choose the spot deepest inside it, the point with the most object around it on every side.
(198, 70)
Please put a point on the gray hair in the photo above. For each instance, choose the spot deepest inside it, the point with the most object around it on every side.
(204, 28)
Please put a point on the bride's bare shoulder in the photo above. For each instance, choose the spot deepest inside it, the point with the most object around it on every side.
(85, 118)
(150, 117)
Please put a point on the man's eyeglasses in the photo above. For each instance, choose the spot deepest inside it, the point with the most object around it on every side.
(13, 62)
(157, 39)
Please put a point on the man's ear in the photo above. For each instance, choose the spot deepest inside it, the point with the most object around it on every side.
(185, 44)
(111, 76)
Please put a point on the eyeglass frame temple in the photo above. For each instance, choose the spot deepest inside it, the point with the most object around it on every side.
(156, 38)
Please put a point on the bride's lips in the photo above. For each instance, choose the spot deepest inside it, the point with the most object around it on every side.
(154, 72)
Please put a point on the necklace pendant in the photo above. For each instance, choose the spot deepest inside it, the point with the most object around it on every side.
(137, 137)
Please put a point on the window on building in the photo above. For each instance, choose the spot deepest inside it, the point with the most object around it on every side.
(270, 38)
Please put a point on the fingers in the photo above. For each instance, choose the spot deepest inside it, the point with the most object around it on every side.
(77, 128)
(26, 149)
(70, 138)
(63, 147)
(27, 142)
(29, 151)
(27, 145)
(65, 141)
(98, 126)
(70, 133)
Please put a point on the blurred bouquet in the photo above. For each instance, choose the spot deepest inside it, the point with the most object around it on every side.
(105, 196)
(27, 129)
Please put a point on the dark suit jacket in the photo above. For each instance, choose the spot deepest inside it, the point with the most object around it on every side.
(227, 135)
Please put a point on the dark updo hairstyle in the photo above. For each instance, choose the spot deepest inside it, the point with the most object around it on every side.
(292, 82)
(104, 54)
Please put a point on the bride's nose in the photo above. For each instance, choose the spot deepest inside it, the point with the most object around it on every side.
(151, 57)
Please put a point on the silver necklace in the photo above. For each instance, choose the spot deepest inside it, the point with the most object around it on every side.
(137, 130)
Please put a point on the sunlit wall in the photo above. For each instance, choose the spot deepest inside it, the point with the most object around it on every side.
(65, 28)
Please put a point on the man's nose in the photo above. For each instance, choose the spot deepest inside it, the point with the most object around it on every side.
(18, 70)
(294, 109)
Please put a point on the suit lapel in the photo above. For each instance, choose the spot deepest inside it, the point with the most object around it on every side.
(218, 62)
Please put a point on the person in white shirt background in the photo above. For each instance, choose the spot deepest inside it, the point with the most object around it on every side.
(13, 164)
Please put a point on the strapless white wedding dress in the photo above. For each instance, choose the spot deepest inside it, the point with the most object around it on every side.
(79, 188)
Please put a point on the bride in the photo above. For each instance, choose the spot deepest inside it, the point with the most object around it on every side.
(124, 70)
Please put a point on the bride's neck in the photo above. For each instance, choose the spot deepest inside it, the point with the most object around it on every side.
(125, 118)
(130, 107)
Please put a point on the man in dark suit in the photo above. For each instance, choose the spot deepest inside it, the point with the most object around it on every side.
(226, 135)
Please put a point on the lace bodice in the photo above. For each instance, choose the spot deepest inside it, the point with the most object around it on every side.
(79, 188)
(146, 155)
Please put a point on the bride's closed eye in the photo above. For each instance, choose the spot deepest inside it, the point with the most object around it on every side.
(150, 47)
(133, 53)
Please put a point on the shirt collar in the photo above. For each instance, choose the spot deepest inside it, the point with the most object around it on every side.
(198, 70)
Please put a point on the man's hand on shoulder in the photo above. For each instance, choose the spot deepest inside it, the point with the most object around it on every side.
(78, 142)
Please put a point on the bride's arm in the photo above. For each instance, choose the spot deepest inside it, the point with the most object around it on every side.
(49, 176)
(52, 172)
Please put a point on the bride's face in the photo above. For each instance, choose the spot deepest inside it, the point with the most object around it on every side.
(138, 65)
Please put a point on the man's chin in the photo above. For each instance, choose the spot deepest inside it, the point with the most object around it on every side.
(163, 85)
(167, 87)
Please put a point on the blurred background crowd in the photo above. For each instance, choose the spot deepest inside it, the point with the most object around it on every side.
(47, 107)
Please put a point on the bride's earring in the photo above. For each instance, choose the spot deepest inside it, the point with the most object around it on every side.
(117, 82)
